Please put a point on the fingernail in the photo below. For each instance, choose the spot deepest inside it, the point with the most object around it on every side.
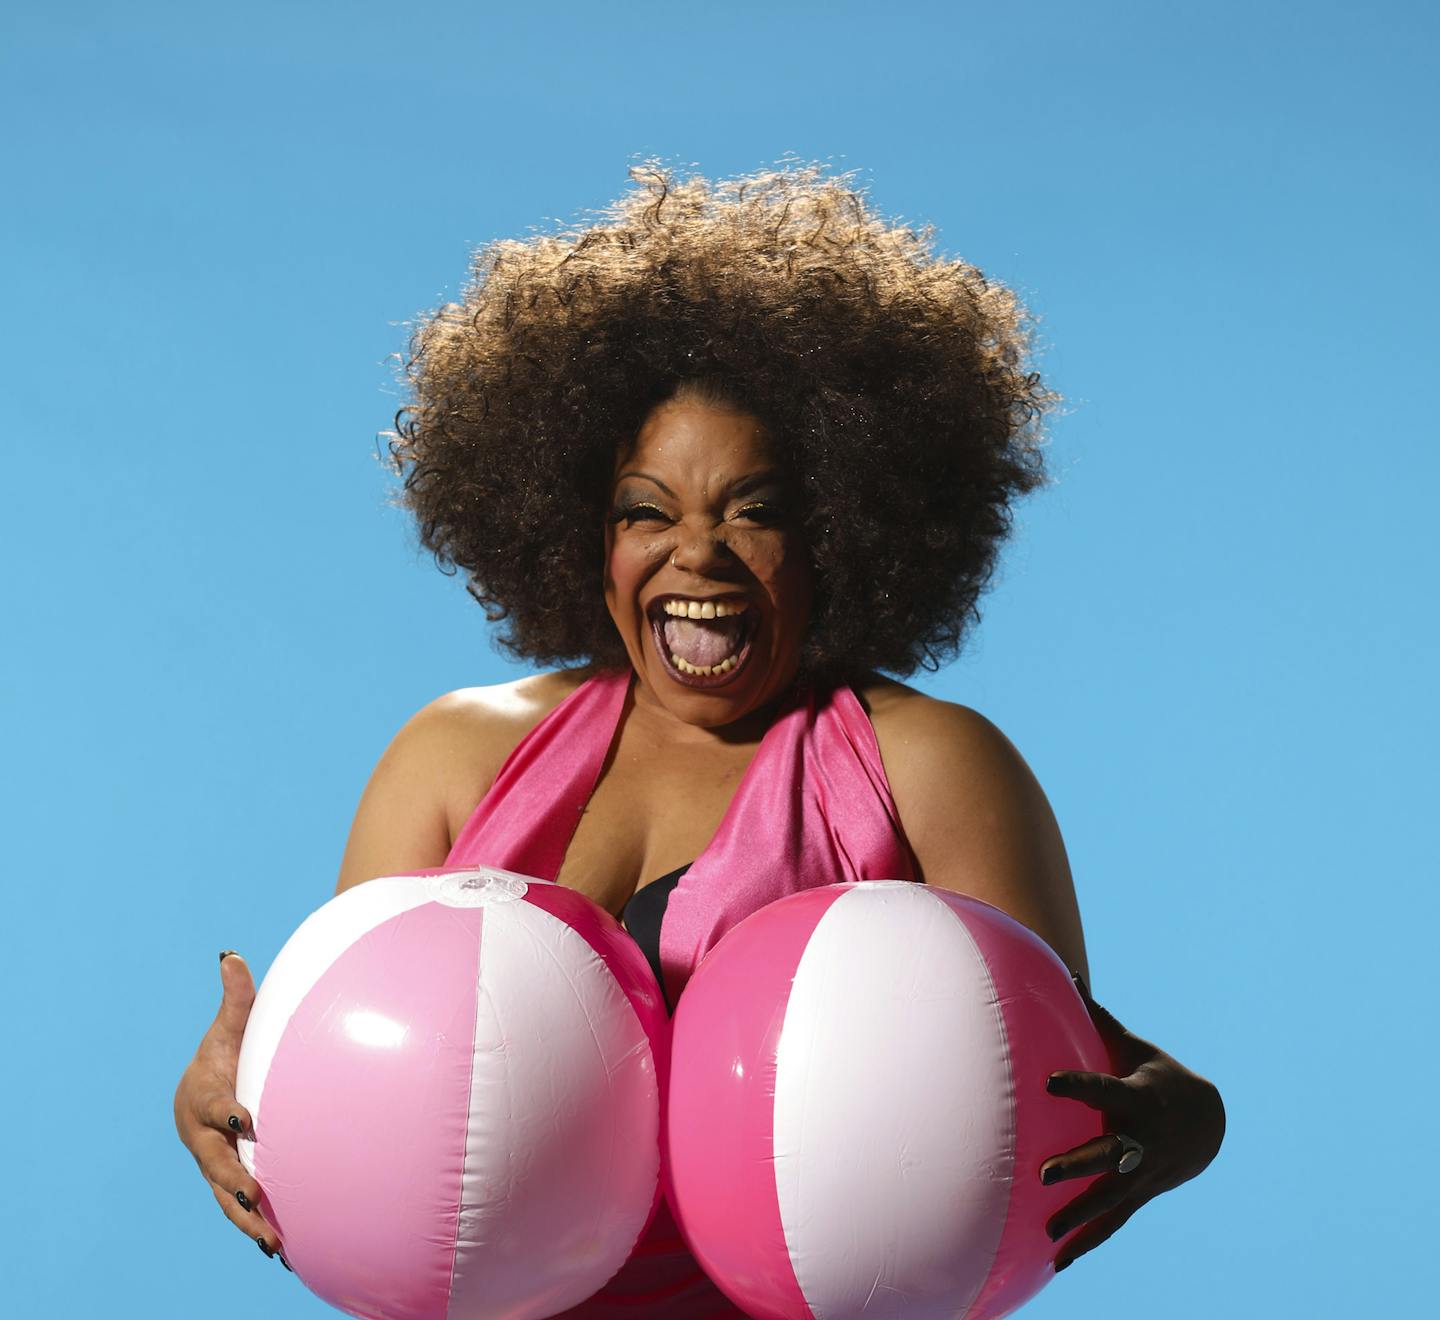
(1080, 984)
(1057, 1232)
(234, 1123)
(285, 1262)
(1052, 1084)
(265, 1246)
(1050, 1175)
(244, 1201)
(1062, 1265)
(225, 953)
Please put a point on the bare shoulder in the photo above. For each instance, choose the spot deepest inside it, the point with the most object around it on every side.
(489, 717)
(437, 767)
(976, 818)
(465, 736)
(928, 732)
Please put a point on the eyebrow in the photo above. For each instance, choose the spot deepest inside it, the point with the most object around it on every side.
(742, 487)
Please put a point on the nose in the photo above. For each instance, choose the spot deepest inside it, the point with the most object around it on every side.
(700, 551)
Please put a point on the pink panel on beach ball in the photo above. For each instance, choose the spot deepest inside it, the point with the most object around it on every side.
(857, 1109)
(455, 1080)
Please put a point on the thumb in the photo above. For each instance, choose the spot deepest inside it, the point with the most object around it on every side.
(238, 994)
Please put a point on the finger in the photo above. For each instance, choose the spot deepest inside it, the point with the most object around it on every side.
(219, 1052)
(237, 995)
(1098, 1156)
(221, 1111)
(250, 1222)
(1110, 1095)
(1102, 1230)
(1099, 1199)
(221, 1166)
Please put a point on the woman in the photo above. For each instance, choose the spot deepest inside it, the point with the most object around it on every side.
(782, 438)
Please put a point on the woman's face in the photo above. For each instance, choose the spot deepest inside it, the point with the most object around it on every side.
(706, 575)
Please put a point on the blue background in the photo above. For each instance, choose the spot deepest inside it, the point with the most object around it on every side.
(1210, 637)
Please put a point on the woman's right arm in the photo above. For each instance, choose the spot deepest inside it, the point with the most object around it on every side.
(420, 793)
(407, 814)
(439, 766)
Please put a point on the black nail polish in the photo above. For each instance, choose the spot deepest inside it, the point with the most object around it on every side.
(265, 1246)
(234, 1123)
(1056, 1233)
(1050, 1175)
(1053, 1084)
(1080, 985)
(285, 1262)
(244, 1201)
(225, 953)
(1063, 1265)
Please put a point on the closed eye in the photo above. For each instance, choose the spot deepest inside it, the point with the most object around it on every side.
(763, 512)
(630, 514)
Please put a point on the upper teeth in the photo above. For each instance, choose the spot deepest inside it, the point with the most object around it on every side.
(694, 609)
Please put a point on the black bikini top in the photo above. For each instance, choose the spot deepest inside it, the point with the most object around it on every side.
(642, 915)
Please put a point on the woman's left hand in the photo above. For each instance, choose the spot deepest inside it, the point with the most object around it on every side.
(1176, 1117)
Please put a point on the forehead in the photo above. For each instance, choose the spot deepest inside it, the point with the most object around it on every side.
(698, 445)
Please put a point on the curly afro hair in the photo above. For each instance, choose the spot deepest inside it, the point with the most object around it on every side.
(892, 382)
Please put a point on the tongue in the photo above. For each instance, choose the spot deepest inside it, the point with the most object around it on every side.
(703, 642)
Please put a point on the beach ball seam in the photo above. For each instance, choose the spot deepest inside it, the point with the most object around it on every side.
(834, 1076)
(876, 1144)
(533, 1172)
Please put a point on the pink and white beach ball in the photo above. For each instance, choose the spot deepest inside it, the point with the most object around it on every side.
(455, 1082)
(857, 1110)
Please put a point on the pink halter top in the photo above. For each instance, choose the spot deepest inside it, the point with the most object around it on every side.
(813, 808)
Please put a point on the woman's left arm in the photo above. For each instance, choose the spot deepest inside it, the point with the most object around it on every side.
(979, 823)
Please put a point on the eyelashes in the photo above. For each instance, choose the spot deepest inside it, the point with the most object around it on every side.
(766, 513)
(630, 514)
(763, 512)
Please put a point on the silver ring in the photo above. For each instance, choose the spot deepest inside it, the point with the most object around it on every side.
(1131, 1153)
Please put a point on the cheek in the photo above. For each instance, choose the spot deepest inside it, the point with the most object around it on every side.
(628, 564)
(608, 574)
(619, 579)
(769, 557)
(785, 570)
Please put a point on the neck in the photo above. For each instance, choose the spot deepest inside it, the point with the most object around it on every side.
(653, 719)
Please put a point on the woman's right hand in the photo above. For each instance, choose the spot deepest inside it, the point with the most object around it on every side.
(209, 1119)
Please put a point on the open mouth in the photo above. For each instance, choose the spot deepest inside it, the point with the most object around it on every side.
(703, 641)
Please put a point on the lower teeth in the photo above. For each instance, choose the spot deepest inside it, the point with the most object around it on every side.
(704, 671)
